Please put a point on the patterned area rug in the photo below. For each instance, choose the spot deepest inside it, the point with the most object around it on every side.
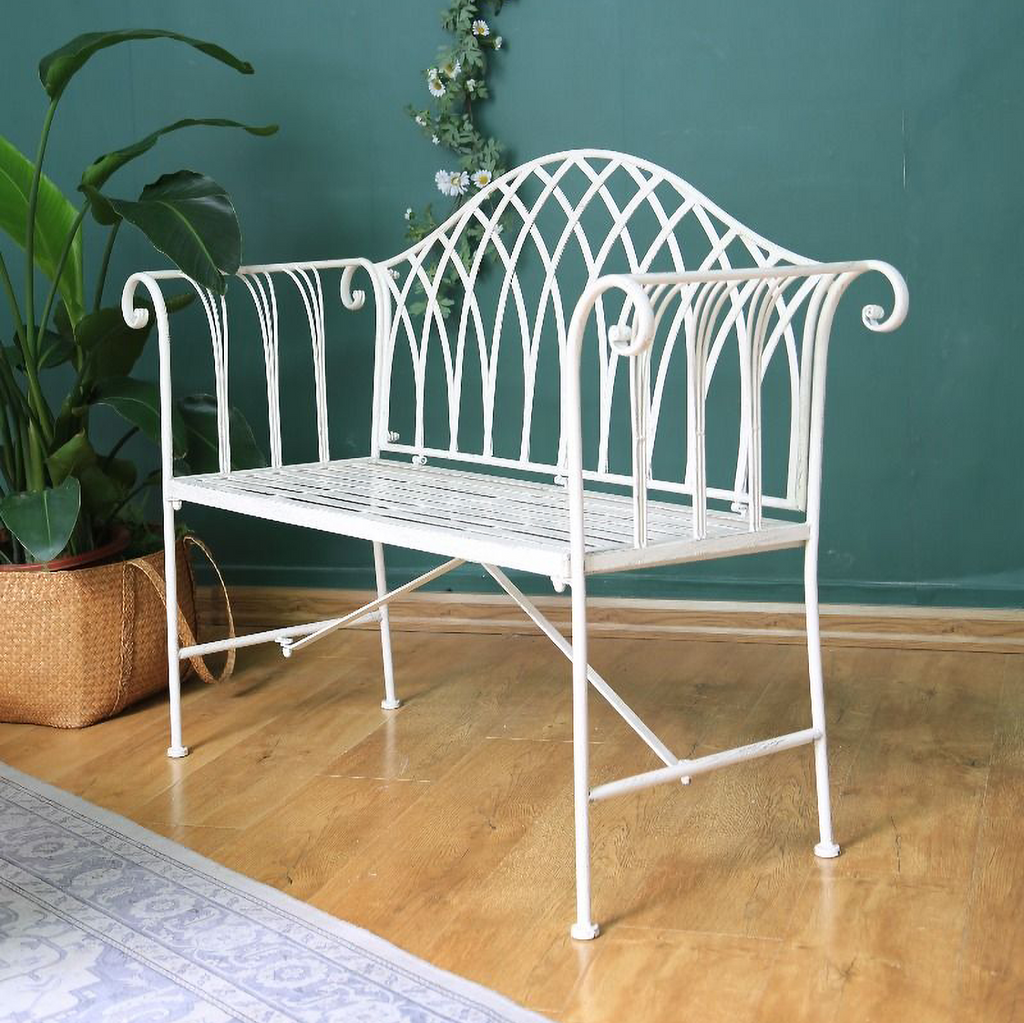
(102, 921)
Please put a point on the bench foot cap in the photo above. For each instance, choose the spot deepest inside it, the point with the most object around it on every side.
(390, 704)
(584, 932)
(177, 752)
(826, 850)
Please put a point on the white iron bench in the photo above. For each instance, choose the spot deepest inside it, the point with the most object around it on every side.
(602, 274)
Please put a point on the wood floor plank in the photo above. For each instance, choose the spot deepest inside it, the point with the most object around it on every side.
(864, 949)
(440, 843)
(300, 845)
(1004, 796)
(667, 976)
(992, 957)
(991, 961)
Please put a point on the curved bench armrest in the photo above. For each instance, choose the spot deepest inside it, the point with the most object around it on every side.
(258, 281)
(752, 294)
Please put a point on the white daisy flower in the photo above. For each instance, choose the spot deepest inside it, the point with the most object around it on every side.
(458, 183)
(434, 83)
(421, 120)
(497, 42)
(480, 28)
(471, 84)
(482, 178)
(452, 68)
(435, 140)
(443, 180)
(408, 213)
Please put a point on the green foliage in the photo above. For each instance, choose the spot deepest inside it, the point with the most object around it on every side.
(96, 174)
(456, 84)
(58, 68)
(58, 491)
(190, 219)
(199, 414)
(54, 217)
(138, 402)
(43, 521)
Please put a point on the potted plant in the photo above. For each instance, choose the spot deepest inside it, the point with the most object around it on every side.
(63, 503)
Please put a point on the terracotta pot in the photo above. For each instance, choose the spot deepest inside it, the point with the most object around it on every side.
(117, 544)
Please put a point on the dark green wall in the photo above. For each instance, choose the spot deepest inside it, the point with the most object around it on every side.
(875, 129)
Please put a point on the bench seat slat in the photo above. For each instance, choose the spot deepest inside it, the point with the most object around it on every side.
(515, 523)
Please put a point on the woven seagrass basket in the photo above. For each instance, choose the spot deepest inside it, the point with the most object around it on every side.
(79, 646)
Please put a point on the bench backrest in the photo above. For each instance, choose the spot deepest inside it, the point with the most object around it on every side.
(469, 368)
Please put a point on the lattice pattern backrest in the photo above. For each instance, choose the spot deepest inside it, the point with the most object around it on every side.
(521, 253)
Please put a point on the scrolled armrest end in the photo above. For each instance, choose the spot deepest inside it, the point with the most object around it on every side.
(873, 316)
(135, 316)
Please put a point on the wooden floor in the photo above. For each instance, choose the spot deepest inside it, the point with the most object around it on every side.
(446, 827)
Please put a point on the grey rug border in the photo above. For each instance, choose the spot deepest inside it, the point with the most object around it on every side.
(281, 901)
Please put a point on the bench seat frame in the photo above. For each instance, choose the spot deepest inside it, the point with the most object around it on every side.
(758, 303)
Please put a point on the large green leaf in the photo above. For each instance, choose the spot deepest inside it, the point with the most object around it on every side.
(54, 349)
(189, 218)
(54, 218)
(103, 213)
(58, 68)
(105, 485)
(104, 481)
(96, 174)
(199, 412)
(70, 457)
(110, 346)
(43, 521)
(138, 401)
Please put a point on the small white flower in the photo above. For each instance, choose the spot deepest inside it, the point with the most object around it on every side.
(497, 42)
(480, 28)
(408, 213)
(435, 140)
(458, 183)
(452, 68)
(482, 178)
(434, 83)
(421, 120)
(471, 84)
(443, 180)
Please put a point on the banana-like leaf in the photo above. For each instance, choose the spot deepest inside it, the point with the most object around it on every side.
(44, 520)
(55, 349)
(111, 347)
(97, 173)
(102, 212)
(54, 217)
(104, 482)
(70, 457)
(138, 401)
(199, 412)
(105, 485)
(58, 68)
(190, 219)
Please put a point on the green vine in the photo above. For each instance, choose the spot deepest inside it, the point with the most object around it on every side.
(456, 84)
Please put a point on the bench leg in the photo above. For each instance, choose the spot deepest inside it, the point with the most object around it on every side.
(390, 701)
(584, 929)
(826, 847)
(176, 748)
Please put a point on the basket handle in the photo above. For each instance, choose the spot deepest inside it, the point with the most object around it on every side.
(185, 634)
